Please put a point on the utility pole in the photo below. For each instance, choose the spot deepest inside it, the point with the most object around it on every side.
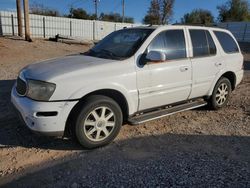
(27, 20)
(123, 10)
(19, 18)
(96, 12)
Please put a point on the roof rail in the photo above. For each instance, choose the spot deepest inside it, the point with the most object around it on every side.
(197, 24)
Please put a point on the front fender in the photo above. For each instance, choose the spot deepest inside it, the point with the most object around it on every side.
(130, 95)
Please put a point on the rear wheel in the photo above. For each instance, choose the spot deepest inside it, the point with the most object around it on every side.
(221, 94)
(99, 122)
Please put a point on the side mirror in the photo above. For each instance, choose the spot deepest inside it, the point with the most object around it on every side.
(156, 56)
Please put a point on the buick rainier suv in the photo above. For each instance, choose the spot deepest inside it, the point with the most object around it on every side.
(132, 76)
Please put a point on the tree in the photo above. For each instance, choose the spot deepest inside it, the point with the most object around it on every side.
(234, 10)
(79, 13)
(40, 9)
(167, 11)
(153, 14)
(160, 12)
(115, 17)
(198, 16)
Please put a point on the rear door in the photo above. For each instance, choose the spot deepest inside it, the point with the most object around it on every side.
(206, 61)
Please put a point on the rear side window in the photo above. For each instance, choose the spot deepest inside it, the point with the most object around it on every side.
(227, 42)
(171, 42)
(202, 42)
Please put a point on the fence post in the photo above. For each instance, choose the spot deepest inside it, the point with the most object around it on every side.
(70, 28)
(27, 20)
(19, 18)
(115, 26)
(93, 30)
(44, 32)
(244, 35)
(12, 25)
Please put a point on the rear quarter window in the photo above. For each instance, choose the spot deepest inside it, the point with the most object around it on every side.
(227, 42)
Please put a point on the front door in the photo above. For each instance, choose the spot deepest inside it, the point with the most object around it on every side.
(165, 82)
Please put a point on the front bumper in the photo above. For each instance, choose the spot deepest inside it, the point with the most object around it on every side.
(47, 125)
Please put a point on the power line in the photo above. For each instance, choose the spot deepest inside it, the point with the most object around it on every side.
(123, 10)
(77, 2)
(117, 5)
(95, 2)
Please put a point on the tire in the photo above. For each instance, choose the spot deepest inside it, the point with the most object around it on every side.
(98, 122)
(221, 94)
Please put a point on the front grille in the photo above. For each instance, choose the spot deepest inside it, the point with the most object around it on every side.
(21, 87)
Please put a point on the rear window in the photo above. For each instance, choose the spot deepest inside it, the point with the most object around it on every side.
(227, 42)
(202, 42)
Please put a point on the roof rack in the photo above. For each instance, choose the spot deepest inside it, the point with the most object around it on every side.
(197, 24)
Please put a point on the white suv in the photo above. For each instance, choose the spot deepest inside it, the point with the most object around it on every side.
(133, 75)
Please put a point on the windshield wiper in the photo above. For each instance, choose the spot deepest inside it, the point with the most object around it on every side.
(108, 54)
(102, 54)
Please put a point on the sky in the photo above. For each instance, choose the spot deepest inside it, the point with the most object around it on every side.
(133, 8)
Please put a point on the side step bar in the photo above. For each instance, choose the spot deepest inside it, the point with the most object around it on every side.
(168, 110)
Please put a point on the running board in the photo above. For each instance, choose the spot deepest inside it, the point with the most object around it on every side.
(168, 110)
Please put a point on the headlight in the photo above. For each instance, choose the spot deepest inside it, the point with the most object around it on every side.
(39, 90)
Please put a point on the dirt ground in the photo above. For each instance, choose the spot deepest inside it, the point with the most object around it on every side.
(194, 148)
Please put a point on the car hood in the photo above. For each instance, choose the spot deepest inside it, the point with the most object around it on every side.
(49, 69)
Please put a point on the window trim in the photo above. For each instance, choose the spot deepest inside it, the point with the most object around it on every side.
(170, 60)
(216, 49)
(235, 41)
(203, 56)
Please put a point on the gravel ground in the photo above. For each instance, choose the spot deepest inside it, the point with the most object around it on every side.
(190, 149)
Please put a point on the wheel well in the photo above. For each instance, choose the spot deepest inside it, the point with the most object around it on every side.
(231, 77)
(115, 95)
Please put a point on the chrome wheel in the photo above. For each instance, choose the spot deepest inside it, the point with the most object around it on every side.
(99, 124)
(222, 94)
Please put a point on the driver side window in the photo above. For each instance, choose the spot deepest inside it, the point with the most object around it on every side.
(171, 42)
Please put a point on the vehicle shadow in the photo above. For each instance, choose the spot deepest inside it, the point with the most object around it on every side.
(167, 160)
(14, 133)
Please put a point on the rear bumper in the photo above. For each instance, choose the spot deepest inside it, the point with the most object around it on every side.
(239, 77)
(52, 125)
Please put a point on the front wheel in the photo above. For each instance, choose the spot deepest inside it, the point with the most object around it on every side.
(99, 122)
(221, 94)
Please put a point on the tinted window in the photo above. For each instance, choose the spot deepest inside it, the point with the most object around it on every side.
(171, 42)
(203, 44)
(227, 42)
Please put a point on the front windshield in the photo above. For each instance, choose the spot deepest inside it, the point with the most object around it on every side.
(120, 44)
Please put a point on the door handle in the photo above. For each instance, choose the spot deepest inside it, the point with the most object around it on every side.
(184, 68)
(218, 64)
